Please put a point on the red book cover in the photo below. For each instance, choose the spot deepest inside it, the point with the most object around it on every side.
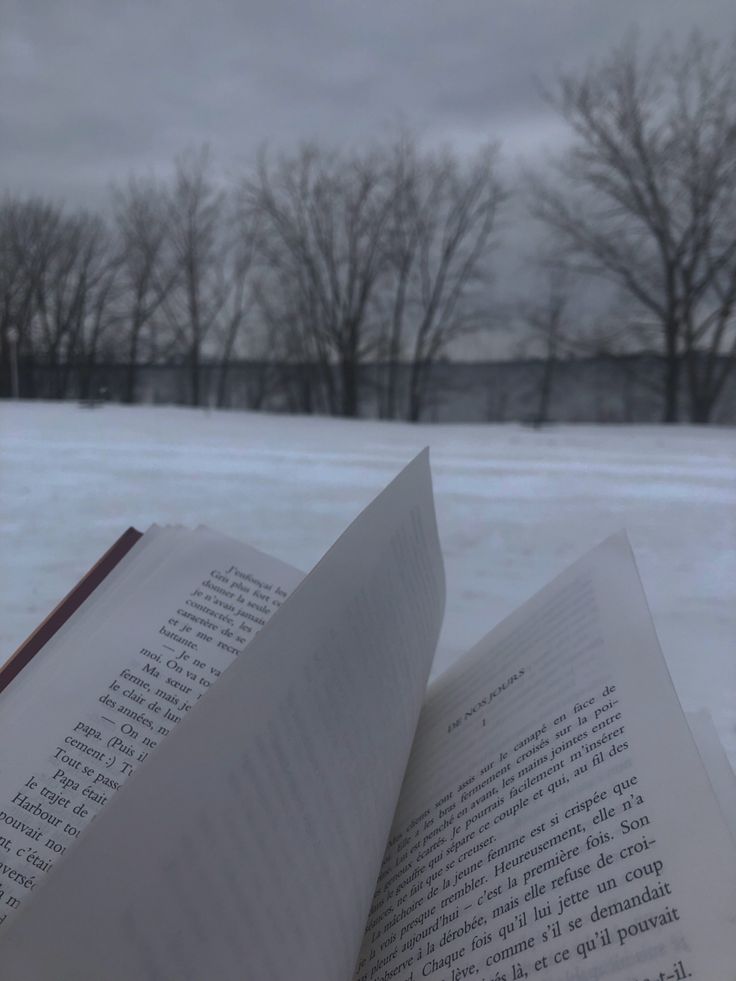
(71, 602)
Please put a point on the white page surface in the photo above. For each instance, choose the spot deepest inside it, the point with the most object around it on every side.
(112, 683)
(250, 845)
(715, 761)
(556, 822)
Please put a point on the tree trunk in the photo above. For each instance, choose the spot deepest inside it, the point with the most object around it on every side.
(349, 379)
(6, 383)
(671, 378)
(706, 379)
(194, 374)
(701, 410)
(545, 391)
(222, 383)
(131, 372)
(417, 382)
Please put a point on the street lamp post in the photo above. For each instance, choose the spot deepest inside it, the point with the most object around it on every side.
(13, 337)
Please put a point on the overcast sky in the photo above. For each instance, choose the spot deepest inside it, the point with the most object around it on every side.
(94, 90)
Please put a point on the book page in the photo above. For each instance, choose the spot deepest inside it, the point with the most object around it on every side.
(555, 821)
(250, 843)
(113, 681)
(716, 763)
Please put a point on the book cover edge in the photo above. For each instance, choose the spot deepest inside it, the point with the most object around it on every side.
(68, 605)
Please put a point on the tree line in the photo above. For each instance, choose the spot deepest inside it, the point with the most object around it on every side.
(331, 259)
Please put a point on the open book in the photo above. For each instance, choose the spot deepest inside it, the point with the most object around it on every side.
(540, 812)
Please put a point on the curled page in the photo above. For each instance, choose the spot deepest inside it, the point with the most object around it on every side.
(249, 844)
(555, 822)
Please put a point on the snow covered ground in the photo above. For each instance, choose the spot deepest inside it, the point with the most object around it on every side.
(514, 506)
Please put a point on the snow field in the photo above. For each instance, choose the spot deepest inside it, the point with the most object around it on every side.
(515, 506)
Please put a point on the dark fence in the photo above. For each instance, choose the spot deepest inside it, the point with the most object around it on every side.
(602, 390)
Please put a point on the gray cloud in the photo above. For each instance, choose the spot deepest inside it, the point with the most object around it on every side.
(92, 91)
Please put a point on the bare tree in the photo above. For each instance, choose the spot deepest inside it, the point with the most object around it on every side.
(323, 217)
(78, 264)
(101, 315)
(29, 233)
(148, 271)
(240, 259)
(706, 121)
(710, 341)
(456, 212)
(15, 296)
(304, 370)
(401, 248)
(547, 319)
(196, 225)
(645, 194)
